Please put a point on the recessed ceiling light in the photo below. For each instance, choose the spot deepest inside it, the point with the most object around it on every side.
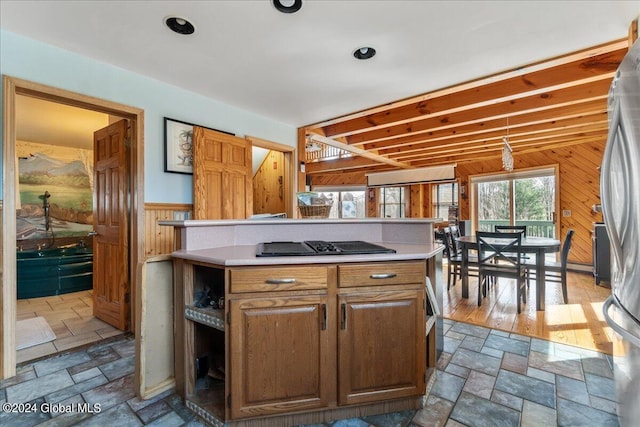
(179, 25)
(288, 6)
(364, 53)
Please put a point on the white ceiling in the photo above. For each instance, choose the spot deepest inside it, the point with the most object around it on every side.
(48, 122)
(298, 68)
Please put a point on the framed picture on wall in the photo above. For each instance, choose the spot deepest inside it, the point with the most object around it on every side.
(178, 146)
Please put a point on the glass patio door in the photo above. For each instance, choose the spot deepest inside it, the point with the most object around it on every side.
(517, 198)
(494, 204)
(535, 205)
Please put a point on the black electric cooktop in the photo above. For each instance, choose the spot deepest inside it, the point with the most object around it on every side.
(320, 247)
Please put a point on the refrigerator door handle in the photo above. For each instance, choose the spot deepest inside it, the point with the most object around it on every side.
(615, 326)
(614, 135)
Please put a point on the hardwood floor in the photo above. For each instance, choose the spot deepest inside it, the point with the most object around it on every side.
(579, 323)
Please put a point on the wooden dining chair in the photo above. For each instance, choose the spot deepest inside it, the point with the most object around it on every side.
(525, 257)
(500, 255)
(454, 257)
(557, 271)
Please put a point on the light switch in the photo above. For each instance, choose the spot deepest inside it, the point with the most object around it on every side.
(566, 213)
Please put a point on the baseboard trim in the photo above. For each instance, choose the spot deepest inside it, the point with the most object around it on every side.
(580, 268)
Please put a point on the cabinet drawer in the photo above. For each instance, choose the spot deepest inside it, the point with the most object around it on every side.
(278, 279)
(381, 273)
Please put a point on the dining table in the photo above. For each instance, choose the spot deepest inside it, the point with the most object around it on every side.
(538, 246)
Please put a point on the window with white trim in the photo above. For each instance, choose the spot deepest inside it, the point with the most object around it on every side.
(392, 202)
(443, 196)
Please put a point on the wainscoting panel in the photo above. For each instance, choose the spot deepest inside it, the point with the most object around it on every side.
(159, 238)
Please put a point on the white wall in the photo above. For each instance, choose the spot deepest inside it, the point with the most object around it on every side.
(31, 60)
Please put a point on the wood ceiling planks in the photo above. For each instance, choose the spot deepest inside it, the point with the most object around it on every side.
(554, 103)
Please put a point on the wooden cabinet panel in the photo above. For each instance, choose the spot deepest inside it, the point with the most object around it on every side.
(381, 346)
(222, 178)
(278, 279)
(299, 357)
(381, 273)
(280, 355)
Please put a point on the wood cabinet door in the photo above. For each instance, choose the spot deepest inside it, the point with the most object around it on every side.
(279, 356)
(222, 176)
(381, 346)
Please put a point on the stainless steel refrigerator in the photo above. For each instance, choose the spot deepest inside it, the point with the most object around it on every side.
(620, 194)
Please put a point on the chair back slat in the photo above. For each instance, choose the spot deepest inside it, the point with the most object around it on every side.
(499, 246)
(500, 255)
(511, 229)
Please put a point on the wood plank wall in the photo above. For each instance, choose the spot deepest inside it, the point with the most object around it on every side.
(158, 239)
(269, 186)
(579, 188)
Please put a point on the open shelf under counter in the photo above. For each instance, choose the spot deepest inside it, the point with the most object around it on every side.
(208, 401)
(207, 316)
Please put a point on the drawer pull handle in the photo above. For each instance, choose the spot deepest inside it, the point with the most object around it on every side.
(383, 276)
(280, 281)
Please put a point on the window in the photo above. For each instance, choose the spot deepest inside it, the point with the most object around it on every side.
(346, 204)
(444, 196)
(518, 198)
(392, 200)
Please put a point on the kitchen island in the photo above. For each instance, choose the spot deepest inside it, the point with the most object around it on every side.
(289, 340)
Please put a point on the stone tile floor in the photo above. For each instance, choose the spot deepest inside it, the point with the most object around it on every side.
(485, 377)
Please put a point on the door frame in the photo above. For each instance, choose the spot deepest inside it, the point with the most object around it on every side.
(289, 168)
(13, 86)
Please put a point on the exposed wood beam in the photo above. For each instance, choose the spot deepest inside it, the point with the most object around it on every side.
(448, 107)
(486, 128)
(550, 64)
(633, 32)
(548, 104)
(483, 155)
(344, 164)
(358, 151)
(539, 143)
(571, 128)
(565, 96)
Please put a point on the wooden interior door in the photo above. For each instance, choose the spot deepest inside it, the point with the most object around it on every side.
(110, 243)
(222, 176)
(269, 186)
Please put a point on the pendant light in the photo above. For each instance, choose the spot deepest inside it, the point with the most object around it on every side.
(507, 152)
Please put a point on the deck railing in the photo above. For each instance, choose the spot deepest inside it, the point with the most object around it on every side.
(534, 228)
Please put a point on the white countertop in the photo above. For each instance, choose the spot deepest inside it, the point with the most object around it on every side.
(296, 221)
(245, 255)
